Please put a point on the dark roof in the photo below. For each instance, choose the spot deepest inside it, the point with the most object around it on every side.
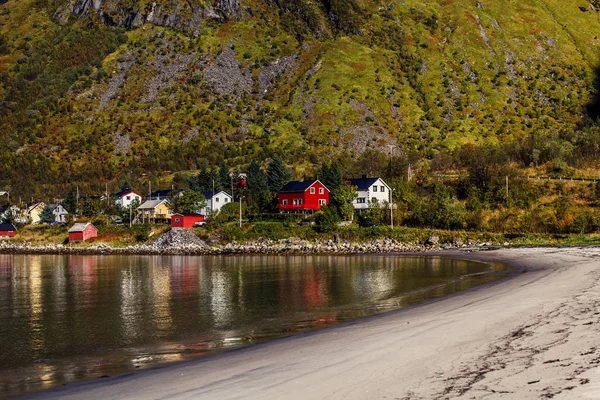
(297, 186)
(8, 227)
(164, 193)
(363, 183)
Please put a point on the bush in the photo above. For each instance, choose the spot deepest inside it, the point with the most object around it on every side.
(327, 219)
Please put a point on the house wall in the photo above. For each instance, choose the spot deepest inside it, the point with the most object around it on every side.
(76, 237)
(370, 194)
(185, 221)
(90, 232)
(7, 233)
(129, 198)
(310, 201)
(220, 199)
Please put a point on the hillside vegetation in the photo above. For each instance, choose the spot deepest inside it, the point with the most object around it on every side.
(106, 90)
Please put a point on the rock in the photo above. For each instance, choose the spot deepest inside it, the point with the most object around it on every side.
(432, 240)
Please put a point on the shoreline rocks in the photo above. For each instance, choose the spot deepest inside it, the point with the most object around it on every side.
(177, 244)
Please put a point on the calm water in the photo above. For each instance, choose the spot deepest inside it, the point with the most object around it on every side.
(69, 318)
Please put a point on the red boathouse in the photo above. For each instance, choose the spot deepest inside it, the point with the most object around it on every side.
(186, 220)
(82, 232)
(303, 196)
(7, 230)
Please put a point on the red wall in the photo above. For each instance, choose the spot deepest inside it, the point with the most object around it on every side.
(88, 233)
(7, 233)
(309, 201)
(185, 221)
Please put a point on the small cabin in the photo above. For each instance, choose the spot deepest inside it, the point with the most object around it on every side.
(7, 230)
(82, 232)
(186, 220)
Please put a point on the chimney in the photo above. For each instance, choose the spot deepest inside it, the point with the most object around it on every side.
(364, 177)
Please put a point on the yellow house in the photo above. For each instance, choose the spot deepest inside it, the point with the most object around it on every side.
(154, 211)
(34, 211)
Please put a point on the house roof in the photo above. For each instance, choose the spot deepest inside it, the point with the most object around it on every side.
(209, 195)
(79, 227)
(55, 206)
(298, 186)
(189, 214)
(365, 183)
(31, 206)
(125, 192)
(151, 204)
(161, 193)
(8, 227)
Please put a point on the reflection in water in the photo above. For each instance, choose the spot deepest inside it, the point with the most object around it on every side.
(70, 318)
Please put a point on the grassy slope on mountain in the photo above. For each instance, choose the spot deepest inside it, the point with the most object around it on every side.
(81, 104)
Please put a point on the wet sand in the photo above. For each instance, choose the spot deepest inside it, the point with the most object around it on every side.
(535, 335)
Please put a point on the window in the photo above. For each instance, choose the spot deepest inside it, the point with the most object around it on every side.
(321, 190)
(284, 202)
(177, 219)
(312, 190)
(169, 212)
(128, 198)
(226, 200)
(382, 189)
(322, 202)
(297, 202)
(216, 200)
(374, 188)
(361, 200)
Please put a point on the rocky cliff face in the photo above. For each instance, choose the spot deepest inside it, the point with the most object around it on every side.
(178, 14)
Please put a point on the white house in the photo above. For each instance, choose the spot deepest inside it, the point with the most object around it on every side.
(370, 190)
(60, 213)
(214, 201)
(10, 213)
(126, 197)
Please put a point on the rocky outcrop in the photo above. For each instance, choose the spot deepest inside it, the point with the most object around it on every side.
(177, 14)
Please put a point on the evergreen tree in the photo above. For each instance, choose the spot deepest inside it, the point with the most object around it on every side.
(70, 203)
(277, 175)
(87, 208)
(203, 182)
(331, 175)
(224, 178)
(258, 187)
(46, 216)
(125, 186)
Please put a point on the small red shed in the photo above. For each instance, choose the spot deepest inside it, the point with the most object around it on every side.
(7, 230)
(186, 220)
(303, 196)
(82, 232)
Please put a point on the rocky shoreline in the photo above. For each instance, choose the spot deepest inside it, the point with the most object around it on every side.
(181, 242)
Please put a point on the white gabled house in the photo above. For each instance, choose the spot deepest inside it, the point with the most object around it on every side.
(214, 201)
(126, 197)
(60, 212)
(370, 190)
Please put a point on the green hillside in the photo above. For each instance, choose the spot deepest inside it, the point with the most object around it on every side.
(94, 91)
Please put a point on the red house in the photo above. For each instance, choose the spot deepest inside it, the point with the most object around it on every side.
(186, 220)
(303, 196)
(82, 232)
(7, 230)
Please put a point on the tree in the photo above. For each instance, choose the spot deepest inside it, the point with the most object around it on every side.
(224, 178)
(326, 219)
(126, 212)
(203, 182)
(342, 199)
(331, 175)
(189, 201)
(277, 175)
(257, 182)
(46, 216)
(70, 203)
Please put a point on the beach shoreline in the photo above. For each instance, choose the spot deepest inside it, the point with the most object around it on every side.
(534, 335)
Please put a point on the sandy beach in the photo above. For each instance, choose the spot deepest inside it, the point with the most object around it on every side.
(535, 335)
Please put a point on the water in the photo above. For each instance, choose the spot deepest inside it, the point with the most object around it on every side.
(65, 319)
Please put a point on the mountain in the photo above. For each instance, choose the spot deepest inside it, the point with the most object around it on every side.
(96, 90)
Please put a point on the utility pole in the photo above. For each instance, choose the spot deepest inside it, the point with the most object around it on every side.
(392, 207)
(130, 216)
(507, 189)
(241, 211)
(212, 197)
